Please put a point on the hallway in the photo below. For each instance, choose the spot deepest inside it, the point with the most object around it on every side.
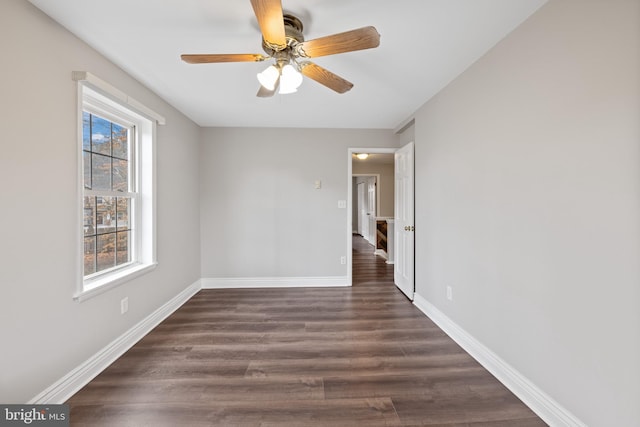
(369, 269)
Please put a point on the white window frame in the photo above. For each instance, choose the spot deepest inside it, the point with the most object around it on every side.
(96, 96)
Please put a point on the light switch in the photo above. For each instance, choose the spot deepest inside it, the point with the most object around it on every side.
(318, 184)
(342, 204)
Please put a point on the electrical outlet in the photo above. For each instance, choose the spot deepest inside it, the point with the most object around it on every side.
(449, 293)
(343, 260)
(124, 305)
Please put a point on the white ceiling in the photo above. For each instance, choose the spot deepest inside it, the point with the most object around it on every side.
(424, 45)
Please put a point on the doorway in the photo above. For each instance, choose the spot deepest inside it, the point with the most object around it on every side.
(367, 205)
(400, 218)
(370, 191)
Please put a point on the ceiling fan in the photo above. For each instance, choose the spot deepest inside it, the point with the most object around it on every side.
(282, 40)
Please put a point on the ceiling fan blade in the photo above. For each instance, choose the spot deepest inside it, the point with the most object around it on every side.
(362, 38)
(325, 77)
(214, 58)
(271, 21)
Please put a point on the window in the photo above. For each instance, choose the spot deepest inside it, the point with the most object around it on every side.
(117, 230)
(109, 193)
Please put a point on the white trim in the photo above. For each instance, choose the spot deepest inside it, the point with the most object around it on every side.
(67, 386)
(273, 282)
(106, 89)
(79, 197)
(536, 399)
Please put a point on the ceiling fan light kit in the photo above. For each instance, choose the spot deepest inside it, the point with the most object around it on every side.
(269, 77)
(290, 79)
(283, 76)
(283, 41)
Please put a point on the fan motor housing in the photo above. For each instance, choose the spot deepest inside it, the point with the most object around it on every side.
(293, 32)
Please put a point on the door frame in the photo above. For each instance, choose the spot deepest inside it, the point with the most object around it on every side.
(350, 152)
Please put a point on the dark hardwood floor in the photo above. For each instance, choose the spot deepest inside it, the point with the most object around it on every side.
(359, 356)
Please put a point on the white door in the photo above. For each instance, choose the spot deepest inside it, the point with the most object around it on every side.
(404, 225)
(371, 209)
(363, 219)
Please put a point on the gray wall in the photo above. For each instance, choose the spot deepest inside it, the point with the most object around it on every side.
(528, 204)
(260, 213)
(45, 334)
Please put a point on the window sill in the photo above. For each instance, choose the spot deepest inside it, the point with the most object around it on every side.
(100, 285)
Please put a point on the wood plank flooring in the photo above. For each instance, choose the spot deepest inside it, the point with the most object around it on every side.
(359, 356)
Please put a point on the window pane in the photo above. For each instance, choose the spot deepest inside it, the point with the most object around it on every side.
(100, 135)
(89, 215)
(105, 215)
(120, 175)
(101, 169)
(89, 255)
(122, 247)
(86, 131)
(123, 212)
(106, 251)
(120, 141)
(86, 165)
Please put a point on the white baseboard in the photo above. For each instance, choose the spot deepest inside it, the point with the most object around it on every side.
(67, 386)
(536, 399)
(274, 282)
